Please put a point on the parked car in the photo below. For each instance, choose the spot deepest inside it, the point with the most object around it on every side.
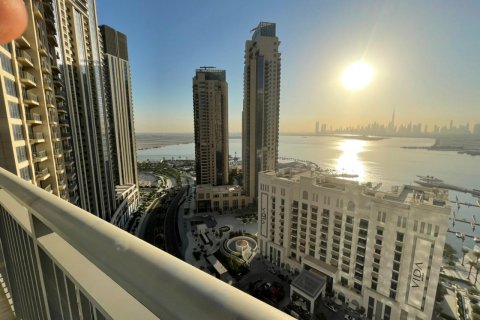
(282, 277)
(349, 317)
(272, 271)
(331, 307)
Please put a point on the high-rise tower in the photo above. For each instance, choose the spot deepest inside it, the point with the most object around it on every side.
(81, 59)
(210, 111)
(261, 104)
(54, 123)
(119, 106)
(35, 127)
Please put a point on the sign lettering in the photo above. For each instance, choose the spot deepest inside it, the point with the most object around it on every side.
(417, 275)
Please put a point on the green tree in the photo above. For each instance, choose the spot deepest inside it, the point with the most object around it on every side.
(476, 309)
(476, 254)
(473, 291)
(449, 252)
(441, 292)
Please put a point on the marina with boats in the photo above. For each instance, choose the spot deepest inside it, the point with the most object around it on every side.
(432, 182)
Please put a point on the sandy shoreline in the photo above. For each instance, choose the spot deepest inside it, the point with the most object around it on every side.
(161, 145)
(156, 140)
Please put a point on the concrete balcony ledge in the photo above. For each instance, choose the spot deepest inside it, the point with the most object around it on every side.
(24, 58)
(42, 174)
(124, 276)
(23, 42)
(40, 156)
(37, 138)
(30, 99)
(34, 118)
(27, 79)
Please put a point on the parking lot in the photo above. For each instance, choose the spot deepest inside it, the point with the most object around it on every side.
(338, 315)
(261, 271)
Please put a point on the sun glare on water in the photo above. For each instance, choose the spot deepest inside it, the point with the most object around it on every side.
(357, 76)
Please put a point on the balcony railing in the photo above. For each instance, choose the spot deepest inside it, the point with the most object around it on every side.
(42, 174)
(37, 137)
(24, 58)
(30, 98)
(100, 269)
(39, 155)
(34, 118)
(37, 10)
(27, 78)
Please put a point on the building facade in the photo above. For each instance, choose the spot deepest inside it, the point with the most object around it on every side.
(220, 198)
(379, 250)
(210, 112)
(55, 128)
(81, 57)
(119, 106)
(35, 125)
(261, 104)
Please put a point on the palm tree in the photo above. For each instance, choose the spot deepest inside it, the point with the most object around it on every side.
(477, 267)
(464, 251)
(476, 253)
(471, 263)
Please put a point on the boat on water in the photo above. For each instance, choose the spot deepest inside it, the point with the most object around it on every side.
(459, 235)
(429, 179)
(477, 240)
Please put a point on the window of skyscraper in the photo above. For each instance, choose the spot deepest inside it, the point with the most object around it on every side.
(6, 63)
(14, 110)
(18, 132)
(10, 87)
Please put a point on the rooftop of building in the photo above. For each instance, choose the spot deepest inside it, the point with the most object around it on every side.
(406, 194)
(122, 191)
(212, 73)
(309, 283)
(219, 189)
(264, 29)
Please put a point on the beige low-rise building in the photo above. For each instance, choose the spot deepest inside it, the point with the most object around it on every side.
(378, 250)
(220, 198)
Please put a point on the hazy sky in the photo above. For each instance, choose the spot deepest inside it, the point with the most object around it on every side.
(426, 57)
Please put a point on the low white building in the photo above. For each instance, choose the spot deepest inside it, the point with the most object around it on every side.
(379, 250)
(220, 198)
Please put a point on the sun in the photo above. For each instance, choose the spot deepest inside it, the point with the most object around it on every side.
(357, 76)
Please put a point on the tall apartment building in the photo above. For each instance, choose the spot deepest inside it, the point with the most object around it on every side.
(210, 112)
(379, 250)
(261, 104)
(81, 60)
(56, 129)
(35, 135)
(118, 94)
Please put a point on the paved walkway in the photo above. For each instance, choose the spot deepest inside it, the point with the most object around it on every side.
(260, 270)
(461, 272)
(232, 220)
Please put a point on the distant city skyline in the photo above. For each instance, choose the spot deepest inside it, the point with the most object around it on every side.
(392, 126)
(424, 55)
